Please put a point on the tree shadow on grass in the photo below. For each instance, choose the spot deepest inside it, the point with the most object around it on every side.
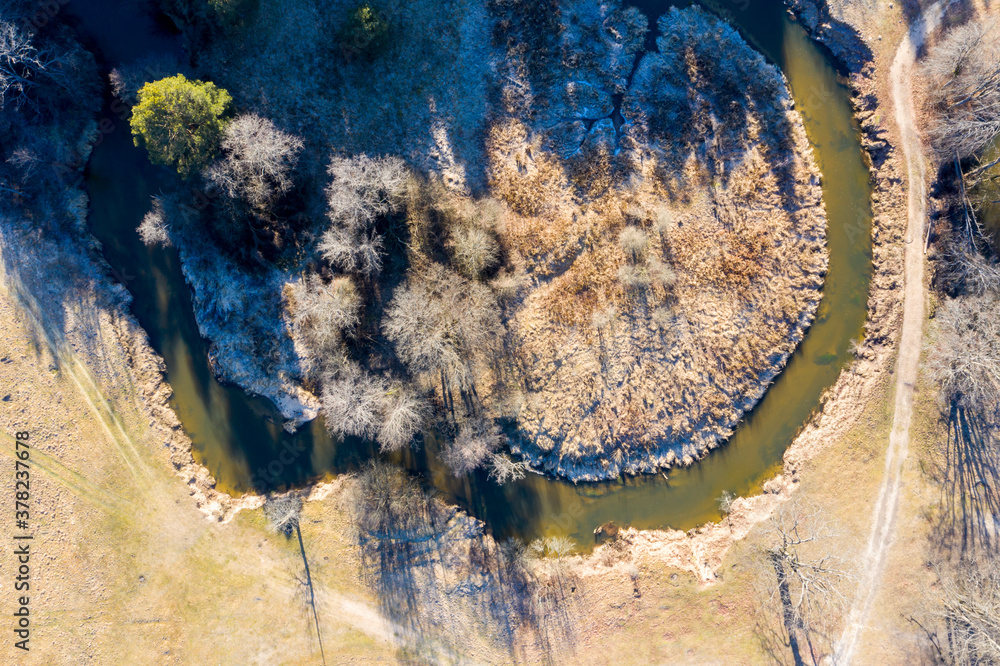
(969, 524)
(445, 586)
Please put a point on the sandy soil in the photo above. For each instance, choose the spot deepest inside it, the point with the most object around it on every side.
(908, 359)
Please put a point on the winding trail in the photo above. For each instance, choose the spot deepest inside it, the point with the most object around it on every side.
(910, 341)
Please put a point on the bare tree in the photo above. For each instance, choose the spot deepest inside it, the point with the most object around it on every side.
(363, 189)
(725, 502)
(971, 613)
(282, 512)
(963, 74)
(504, 469)
(25, 67)
(155, 229)
(387, 505)
(126, 80)
(966, 358)
(403, 416)
(353, 251)
(360, 404)
(476, 441)
(972, 272)
(325, 312)
(353, 401)
(962, 78)
(804, 583)
(259, 159)
(473, 250)
(441, 322)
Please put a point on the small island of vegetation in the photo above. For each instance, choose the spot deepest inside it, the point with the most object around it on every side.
(592, 261)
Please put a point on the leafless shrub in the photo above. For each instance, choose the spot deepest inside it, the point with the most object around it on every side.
(25, 68)
(664, 318)
(633, 242)
(259, 159)
(966, 357)
(662, 221)
(660, 274)
(476, 441)
(963, 82)
(601, 319)
(971, 613)
(154, 228)
(440, 321)
(553, 546)
(282, 512)
(325, 312)
(363, 189)
(635, 278)
(473, 250)
(560, 546)
(353, 402)
(403, 415)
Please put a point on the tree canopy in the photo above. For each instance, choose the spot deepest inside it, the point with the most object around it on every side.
(180, 122)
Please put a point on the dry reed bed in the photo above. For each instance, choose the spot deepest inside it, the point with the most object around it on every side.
(634, 358)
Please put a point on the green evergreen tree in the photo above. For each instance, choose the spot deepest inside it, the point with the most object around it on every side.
(180, 122)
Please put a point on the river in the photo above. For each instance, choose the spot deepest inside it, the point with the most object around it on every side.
(235, 435)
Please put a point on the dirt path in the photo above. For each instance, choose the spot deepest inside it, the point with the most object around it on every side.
(910, 342)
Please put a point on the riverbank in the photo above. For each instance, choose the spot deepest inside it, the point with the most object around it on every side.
(867, 56)
(701, 552)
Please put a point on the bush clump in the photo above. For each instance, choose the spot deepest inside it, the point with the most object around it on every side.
(363, 189)
(259, 159)
(633, 241)
(324, 312)
(474, 251)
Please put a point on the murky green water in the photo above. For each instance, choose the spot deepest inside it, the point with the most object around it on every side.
(236, 436)
(989, 214)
